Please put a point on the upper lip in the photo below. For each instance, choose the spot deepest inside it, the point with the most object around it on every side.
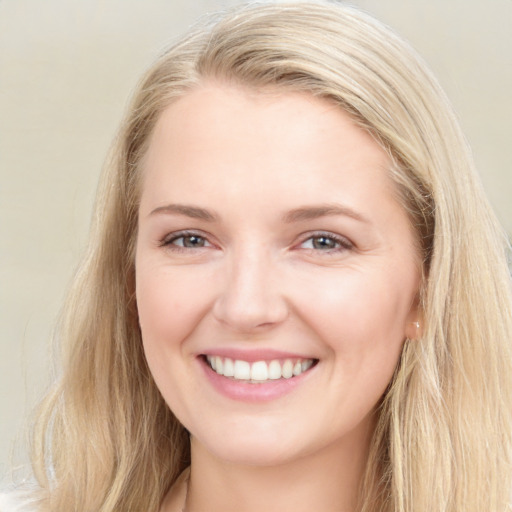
(253, 355)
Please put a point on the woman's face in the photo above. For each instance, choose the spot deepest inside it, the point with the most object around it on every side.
(271, 246)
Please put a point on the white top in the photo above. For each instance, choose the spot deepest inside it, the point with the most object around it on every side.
(16, 502)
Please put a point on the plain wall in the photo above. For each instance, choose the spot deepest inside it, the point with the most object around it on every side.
(67, 68)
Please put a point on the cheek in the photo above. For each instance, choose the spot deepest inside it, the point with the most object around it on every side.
(360, 303)
(168, 311)
(168, 307)
(361, 322)
(361, 318)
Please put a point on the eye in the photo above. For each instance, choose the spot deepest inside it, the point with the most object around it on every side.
(186, 241)
(326, 242)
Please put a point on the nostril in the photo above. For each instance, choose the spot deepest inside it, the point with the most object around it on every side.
(244, 312)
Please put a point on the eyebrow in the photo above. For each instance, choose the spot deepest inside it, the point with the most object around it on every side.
(193, 212)
(324, 210)
(303, 213)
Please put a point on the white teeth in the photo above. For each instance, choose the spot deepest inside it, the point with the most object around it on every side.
(306, 365)
(242, 370)
(287, 369)
(274, 370)
(219, 365)
(259, 371)
(229, 368)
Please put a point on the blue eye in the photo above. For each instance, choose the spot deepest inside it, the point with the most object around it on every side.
(326, 242)
(187, 241)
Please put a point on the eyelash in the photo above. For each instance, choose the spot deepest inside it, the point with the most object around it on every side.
(170, 241)
(341, 243)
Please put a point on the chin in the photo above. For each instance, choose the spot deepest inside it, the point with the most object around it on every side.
(256, 453)
(270, 446)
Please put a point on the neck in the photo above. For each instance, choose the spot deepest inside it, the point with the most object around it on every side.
(327, 479)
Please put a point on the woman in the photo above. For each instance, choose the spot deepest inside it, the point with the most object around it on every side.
(295, 294)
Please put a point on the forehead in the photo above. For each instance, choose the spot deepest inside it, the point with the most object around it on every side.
(219, 131)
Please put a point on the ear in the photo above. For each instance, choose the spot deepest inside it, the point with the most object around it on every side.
(414, 329)
(415, 323)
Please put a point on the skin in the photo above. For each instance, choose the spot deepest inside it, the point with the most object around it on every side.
(260, 275)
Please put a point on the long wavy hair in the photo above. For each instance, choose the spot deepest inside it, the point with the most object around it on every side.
(106, 441)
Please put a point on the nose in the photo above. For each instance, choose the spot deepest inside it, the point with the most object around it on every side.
(251, 298)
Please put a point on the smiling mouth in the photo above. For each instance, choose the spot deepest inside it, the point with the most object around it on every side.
(259, 372)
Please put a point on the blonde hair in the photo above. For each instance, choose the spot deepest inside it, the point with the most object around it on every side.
(105, 440)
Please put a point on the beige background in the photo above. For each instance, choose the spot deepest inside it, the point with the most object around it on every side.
(66, 70)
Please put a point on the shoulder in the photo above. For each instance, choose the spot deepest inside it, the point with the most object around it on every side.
(16, 501)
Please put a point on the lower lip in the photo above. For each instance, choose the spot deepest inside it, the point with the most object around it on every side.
(248, 392)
